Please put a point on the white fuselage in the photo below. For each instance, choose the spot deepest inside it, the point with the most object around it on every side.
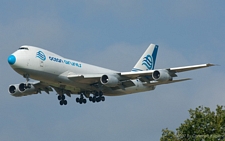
(53, 70)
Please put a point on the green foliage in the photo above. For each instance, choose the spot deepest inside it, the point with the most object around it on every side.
(203, 125)
(168, 135)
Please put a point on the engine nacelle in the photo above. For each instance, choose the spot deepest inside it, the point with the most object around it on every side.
(30, 89)
(13, 90)
(161, 75)
(109, 80)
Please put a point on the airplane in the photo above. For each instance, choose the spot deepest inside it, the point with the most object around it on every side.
(89, 82)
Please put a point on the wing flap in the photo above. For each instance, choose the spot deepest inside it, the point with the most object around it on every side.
(127, 83)
(134, 75)
(155, 83)
(85, 78)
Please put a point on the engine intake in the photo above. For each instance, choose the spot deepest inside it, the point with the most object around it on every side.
(13, 89)
(161, 75)
(109, 80)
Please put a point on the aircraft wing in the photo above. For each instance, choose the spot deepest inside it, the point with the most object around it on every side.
(126, 78)
(171, 71)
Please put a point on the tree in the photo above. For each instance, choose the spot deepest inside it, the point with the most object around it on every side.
(203, 125)
(168, 135)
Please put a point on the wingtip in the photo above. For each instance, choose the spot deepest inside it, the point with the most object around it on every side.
(210, 64)
(188, 79)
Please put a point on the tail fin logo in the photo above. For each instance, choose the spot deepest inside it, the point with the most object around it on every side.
(41, 55)
(148, 62)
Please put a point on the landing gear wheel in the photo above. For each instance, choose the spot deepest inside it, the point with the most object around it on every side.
(63, 97)
(90, 98)
(84, 101)
(65, 102)
(61, 102)
(94, 99)
(59, 97)
(103, 98)
(98, 99)
(77, 100)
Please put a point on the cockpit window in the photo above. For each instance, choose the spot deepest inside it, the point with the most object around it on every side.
(25, 48)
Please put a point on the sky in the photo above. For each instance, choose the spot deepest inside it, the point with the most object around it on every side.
(112, 34)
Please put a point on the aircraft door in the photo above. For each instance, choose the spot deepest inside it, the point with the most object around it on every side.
(42, 64)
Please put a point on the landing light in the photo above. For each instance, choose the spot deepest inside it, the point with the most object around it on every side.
(11, 59)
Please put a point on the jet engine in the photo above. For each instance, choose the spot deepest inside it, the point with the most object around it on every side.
(30, 89)
(22, 90)
(109, 80)
(13, 90)
(161, 75)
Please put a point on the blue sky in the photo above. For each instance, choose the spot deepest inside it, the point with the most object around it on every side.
(113, 34)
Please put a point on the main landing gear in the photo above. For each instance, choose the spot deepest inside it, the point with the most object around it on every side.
(62, 100)
(81, 100)
(97, 97)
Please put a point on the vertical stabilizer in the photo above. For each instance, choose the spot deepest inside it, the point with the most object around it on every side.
(148, 59)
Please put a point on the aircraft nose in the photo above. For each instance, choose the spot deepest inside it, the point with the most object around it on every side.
(11, 59)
